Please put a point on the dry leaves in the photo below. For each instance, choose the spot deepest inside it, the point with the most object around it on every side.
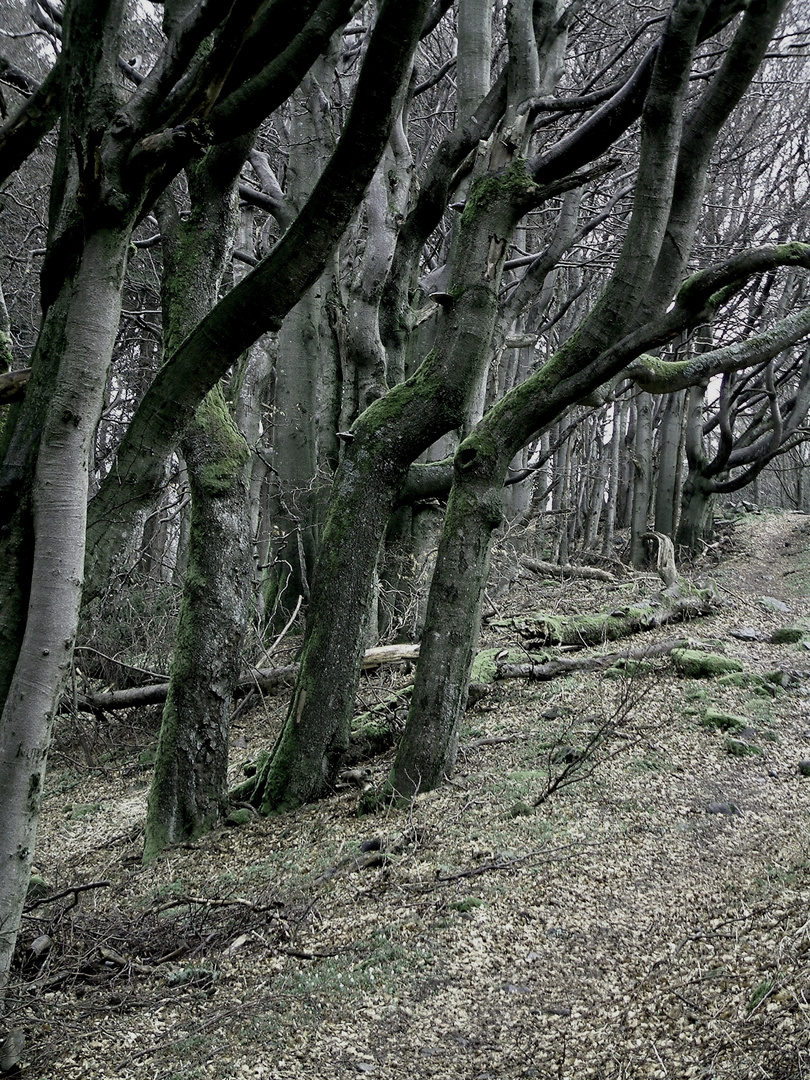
(618, 931)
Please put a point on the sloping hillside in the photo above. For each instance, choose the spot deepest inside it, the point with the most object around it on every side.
(649, 919)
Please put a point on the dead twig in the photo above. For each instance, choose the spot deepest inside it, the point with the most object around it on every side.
(210, 902)
(74, 889)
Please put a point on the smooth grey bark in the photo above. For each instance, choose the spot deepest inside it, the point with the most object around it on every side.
(670, 462)
(620, 408)
(598, 487)
(305, 356)
(474, 27)
(642, 479)
(59, 500)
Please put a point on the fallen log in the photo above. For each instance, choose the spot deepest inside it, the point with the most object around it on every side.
(555, 570)
(564, 665)
(582, 630)
(255, 679)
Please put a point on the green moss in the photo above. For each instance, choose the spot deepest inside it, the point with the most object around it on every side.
(226, 449)
(469, 903)
(721, 721)
(787, 635)
(738, 748)
(701, 665)
(759, 994)
(746, 681)
(38, 887)
(6, 351)
(512, 184)
(628, 669)
(485, 668)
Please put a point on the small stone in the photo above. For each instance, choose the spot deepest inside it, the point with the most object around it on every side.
(748, 633)
(729, 808)
(475, 693)
(771, 603)
(738, 748)
(566, 755)
(11, 1050)
(804, 768)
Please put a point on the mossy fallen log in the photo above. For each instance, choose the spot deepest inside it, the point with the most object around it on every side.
(582, 630)
(704, 665)
(567, 665)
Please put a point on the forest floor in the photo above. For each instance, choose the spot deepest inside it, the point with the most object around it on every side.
(651, 919)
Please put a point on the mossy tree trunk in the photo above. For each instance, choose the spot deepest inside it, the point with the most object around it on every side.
(427, 751)
(642, 479)
(670, 461)
(189, 785)
(44, 477)
(697, 513)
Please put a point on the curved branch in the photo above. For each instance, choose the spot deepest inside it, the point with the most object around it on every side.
(656, 376)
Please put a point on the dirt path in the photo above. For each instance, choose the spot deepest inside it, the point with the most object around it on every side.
(650, 920)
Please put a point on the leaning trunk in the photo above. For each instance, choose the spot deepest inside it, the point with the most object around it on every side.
(427, 752)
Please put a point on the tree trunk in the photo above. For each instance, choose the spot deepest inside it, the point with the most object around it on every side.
(642, 480)
(59, 502)
(427, 752)
(697, 513)
(696, 504)
(474, 24)
(616, 443)
(305, 355)
(189, 786)
(668, 473)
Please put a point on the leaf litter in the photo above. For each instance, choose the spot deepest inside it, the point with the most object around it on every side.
(622, 927)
